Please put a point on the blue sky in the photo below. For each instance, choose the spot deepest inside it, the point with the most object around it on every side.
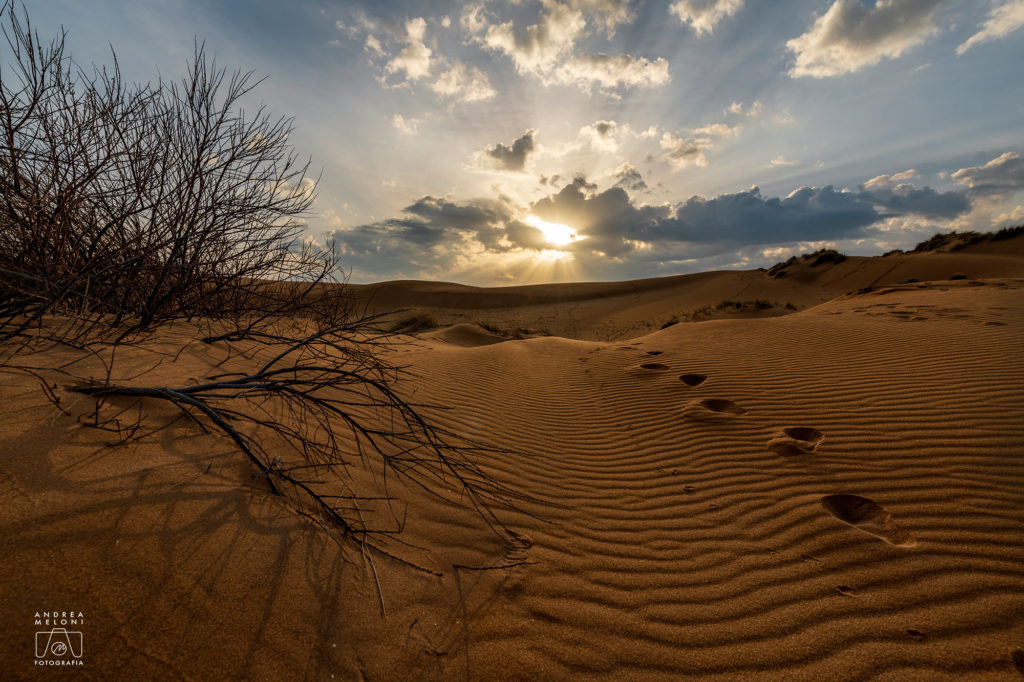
(666, 136)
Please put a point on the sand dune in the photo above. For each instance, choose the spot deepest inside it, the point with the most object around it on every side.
(832, 493)
(606, 311)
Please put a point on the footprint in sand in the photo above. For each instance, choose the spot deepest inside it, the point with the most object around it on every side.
(795, 441)
(868, 516)
(713, 409)
(1017, 656)
(693, 379)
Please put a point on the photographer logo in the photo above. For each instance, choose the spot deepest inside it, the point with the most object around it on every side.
(61, 644)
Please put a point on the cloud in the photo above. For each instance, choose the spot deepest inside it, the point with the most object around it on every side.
(1013, 217)
(414, 59)
(889, 181)
(1002, 20)
(681, 152)
(541, 46)
(472, 19)
(702, 15)
(780, 161)
(467, 84)
(629, 178)
(373, 45)
(718, 130)
(737, 109)
(547, 49)
(905, 198)
(404, 125)
(612, 71)
(514, 157)
(852, 35)
(1003, 174)
(602, 135)
(893, 193)
(606, 13)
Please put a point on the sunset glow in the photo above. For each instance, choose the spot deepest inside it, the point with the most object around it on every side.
(643, 138)
(555, 233)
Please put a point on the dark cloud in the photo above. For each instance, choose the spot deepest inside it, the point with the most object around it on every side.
(629, 178)
(526, 236)
(906, 198)
(604, 128)
(619, 233)
(614, 224)
(513, 158)
(1005, 173)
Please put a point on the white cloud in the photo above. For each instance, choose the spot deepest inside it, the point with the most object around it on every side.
(681, 152)
(611, 71)
(541, 46)
(702, 15)
(472, 19)
(1005, 173)
(1002, 20)
(602, 135)
(414, 59)
(781, 162)
(1014, 217)
(890, 181)
(467, 84)
(373, 45)
(718, 130)
(606, 13)
(852, 35)
(736, 108)
(546, 49)
(406, 126)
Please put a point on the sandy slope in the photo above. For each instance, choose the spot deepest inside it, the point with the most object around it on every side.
(836, 493)
(606, 311)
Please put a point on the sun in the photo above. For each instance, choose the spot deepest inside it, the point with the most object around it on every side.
(556, 234)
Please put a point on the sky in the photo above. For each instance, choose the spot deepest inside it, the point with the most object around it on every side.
(524, 141)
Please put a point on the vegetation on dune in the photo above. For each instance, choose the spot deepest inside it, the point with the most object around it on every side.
(128, 207)
(945, 241)
(416, 321)
(819, 257)
(954, 241)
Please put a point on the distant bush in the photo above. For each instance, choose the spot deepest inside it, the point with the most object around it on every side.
(819, 257)
(954, 241)
(416, 321)
(826, 256)
(1008, 233)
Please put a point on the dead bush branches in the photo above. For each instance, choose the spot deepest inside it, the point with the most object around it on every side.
(327, 399)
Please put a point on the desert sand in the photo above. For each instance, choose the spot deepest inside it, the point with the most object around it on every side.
(828, 490)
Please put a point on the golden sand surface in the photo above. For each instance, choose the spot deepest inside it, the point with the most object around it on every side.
(833, 493)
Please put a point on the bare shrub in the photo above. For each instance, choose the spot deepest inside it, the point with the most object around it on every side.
(125, 206)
